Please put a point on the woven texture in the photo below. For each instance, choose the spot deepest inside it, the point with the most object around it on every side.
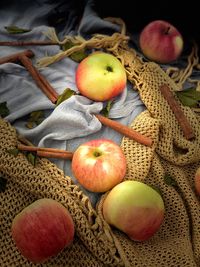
(177, 243)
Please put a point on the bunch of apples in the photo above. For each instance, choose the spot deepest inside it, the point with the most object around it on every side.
(131, 206)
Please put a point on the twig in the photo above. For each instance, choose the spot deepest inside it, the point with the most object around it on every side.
(39, 79)
(28, 43)
(125, 130)
(47, 152)
(43, 84)
(176, 108)
(16, 57)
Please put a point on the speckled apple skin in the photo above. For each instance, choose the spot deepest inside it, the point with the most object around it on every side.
(134, 208)
(42, 229)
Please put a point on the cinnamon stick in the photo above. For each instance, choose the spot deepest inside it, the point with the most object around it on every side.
(47, 152)
(125, 130)
(27, 43)
(39, 79)
(16, 57)
(176, 108)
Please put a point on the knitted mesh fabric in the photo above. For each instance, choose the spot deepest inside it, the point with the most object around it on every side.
(177, 243)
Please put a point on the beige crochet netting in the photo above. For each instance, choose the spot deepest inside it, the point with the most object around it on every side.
(177, 243)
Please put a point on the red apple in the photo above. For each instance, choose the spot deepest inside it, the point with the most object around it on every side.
(99, 165)
(100, 76)
(197, 181)
(161, 42)
(42, 230)
(134, 208)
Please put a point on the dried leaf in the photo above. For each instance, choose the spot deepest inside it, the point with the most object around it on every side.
(16, 30)
(105, 111)
(170, 180)
(32, 158)
(13, 151)
(76, 56)
(35, 118)
(3, 183)
(189, 97)
(4, 111)
(67, 93)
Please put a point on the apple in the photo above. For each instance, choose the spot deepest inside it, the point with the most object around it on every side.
(197, 181)
(99, 164)
(42, 229)
(161, 42)
(135, 208)
(100, 76)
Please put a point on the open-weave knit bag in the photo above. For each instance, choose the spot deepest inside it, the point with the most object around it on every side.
(177, 243)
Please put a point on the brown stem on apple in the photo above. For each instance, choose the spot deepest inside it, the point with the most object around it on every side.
(176, 108)
(47, 152)
(125, 130)
(167, 30)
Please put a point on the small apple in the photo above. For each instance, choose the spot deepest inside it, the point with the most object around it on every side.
(42, 230)
(197, 181)
(99, 164)
(135, 208)
(100, 76)
(161, 42)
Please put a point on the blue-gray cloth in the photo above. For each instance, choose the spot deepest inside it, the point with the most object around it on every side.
(72, 122)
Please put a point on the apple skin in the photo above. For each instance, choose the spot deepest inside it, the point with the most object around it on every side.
(100, 76)
(161, 42)
(197, 181)
(42, 230)
(99, 165)
(135, 208)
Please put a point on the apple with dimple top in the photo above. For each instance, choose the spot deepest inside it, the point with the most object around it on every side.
(160, 41)
(42, 229)
(99, 165)
(135, 208)
(100, 76)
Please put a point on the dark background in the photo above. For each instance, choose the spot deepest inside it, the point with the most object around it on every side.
(136, 14)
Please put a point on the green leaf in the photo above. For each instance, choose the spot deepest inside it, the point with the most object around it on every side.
(3, 183)
(170, 180)
(4, 111)
(189, 97)
(76, 56)
(35, 118)
(67, 93)
(13, 151)
(32, 158)
(105, 111)
(16, 30)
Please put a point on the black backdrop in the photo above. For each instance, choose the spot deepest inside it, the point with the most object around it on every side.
(184, 15)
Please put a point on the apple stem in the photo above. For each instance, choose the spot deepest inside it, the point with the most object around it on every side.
(167, 31)
(108, 68)
(97, 154)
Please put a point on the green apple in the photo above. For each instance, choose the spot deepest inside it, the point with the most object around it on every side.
(160, 41)
(135, 208)
(100, 76)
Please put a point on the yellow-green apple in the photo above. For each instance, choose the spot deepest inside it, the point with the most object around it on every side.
(100, 76)
(42, 229)
(197, 181)
(99, 164)
(135, 208)
(160, 41)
